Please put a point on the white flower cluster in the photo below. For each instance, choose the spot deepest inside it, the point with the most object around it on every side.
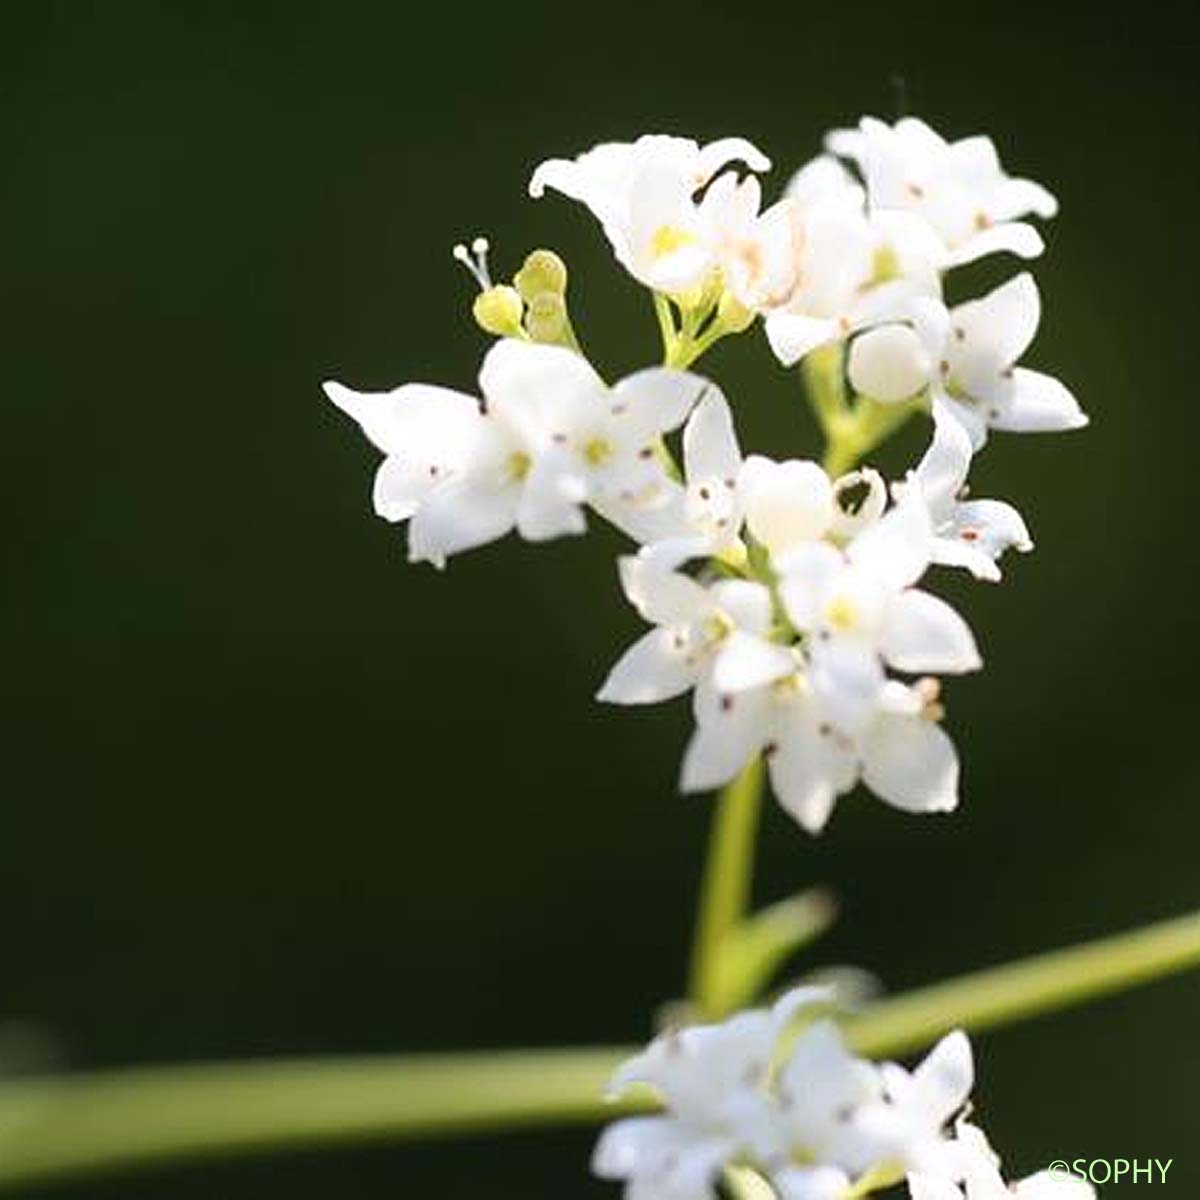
(780, 592)
(813, 1119)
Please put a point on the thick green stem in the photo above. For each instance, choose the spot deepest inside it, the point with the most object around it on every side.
(725, 890)
(69, 1125)
(852, 428)
(57, 1127)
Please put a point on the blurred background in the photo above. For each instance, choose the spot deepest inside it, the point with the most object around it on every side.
(270, 791)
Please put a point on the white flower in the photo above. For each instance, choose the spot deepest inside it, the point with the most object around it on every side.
(925, 1101)
(547, 438)
(703, 517)
(897, 748)
(817, 1125)
(959, 188)
(712, 1080)
(757, 251)
(969, 355)
(719, 631)
(970, 1170)
(967, 533)
(853, 267)
(644, 195)
(979, 379)
(859, 610)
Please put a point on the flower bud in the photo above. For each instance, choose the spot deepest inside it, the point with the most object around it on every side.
(859, 500)
(786, 503)
(498, 311)
(889, 364)
(546, 320)
(732, 314)
(543, 271)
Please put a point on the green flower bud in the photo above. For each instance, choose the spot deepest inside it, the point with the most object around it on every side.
(546, 320)
(732, 315)
(542, 272)
(498, 311)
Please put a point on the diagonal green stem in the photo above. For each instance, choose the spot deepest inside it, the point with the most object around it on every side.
(725, 890)
(1027, 988)
(70, 1125)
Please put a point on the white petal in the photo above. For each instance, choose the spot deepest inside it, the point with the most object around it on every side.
(785, 503)
(730, 730)
(551, 495)
(399, 487)
(846, 677)
(807, 573)
(655, 401)
(922, 633)
(898, 546)
(461, 515)
(911, 763)
(943, 469)
(933, 1187)
(541, 390)
(662, 597)
(1045, 1186)
(1016, 197)
(659, 665)
(1010, 237)
(417, 420)
(811, 1183)
(723, 151)
(1039, 404)
(710, 446)
(1000, 325)
(635, 1145)
(944, 1078)
(968, 416)
(991, 526)
(951, 552)
(745, 661)
(793, 335)
(801, 780)
(747, 604)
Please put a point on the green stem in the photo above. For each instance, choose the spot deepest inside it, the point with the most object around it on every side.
(59, 1126)
(56, 1127)
(725, 890)
(1029, 987)
(666, 326)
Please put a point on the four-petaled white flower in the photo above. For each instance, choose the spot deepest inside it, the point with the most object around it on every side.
(547, 438)
(970, 1170)
(967, 357)
(895, 745)
(859, 611)
(852, 266)
(644, 194)
(812, 1118)
(713, 1082)
(959, 187)
(719, 632)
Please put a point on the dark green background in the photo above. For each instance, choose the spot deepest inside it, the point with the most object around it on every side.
(269, 790)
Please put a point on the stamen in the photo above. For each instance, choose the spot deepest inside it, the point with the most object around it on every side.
(476, 261)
